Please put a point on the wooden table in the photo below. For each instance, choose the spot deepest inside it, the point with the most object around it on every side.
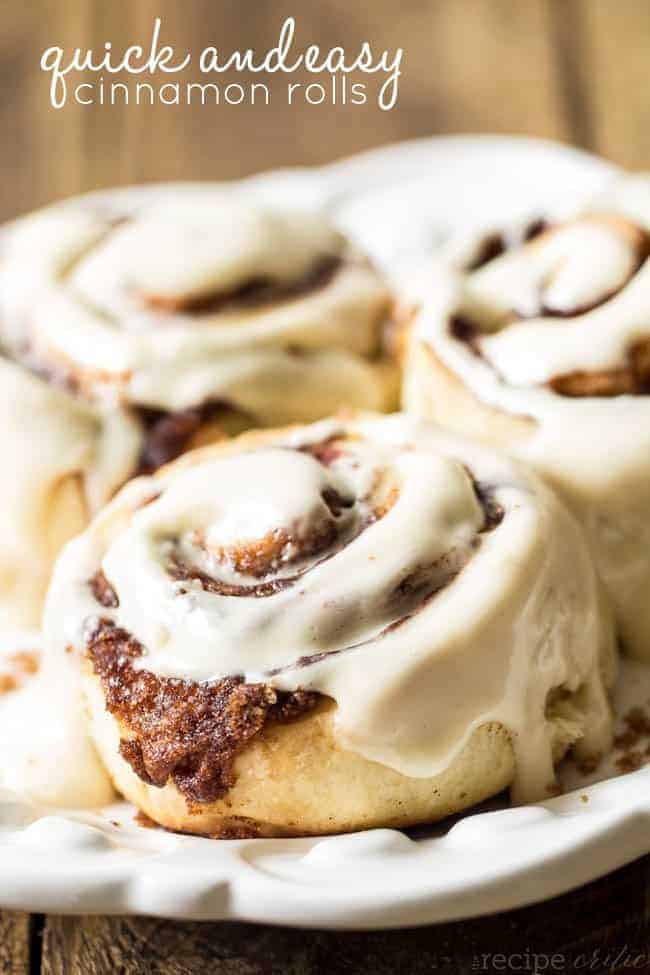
(603, 927)
(575, 70)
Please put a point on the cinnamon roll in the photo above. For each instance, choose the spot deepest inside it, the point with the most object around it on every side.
(545, 350)
(63, 459)
(198, 308)
(362, 622)
(147, 332)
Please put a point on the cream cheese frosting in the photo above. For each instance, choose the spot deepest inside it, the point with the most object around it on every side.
(194, 300)
(45, 750)
(195, 297)
(63, 460)
(553, 333)
(425, 584)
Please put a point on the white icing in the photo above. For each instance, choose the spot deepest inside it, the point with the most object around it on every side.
(96, 307)
(190, 249)
(537, 350)
(522, 617)
(596, 451)
(63, 459)
(570, 267)
(45, 751)
(628, 195)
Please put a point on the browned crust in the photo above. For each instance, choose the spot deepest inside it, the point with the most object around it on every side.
(296, 779)
(183, 731)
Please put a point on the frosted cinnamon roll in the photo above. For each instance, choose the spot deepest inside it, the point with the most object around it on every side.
(357, 623)
(63, 460)
(545, 351)
(194, 304)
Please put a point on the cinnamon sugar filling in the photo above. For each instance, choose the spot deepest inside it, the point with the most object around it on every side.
(253, 294)
(168, 435)
(638, 241)
(181, 730)
(260, 558)
(493, 245)
(631, 378)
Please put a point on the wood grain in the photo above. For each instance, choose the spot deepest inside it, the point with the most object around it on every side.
(569, 69)
(14, 943)
(615, 56)
(611, 915)
(496, 69)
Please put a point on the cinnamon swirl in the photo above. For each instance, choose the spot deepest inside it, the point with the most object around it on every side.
(135, 335)
(198, 306)
(358, 623)
(545, 351)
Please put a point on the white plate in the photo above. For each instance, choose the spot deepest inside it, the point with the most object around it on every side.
(398, 201)
(103, 862)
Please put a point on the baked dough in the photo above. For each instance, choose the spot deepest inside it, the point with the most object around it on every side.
(63, 460)
(362, 622)
(545, 352)
(198, 298)
(135, 334)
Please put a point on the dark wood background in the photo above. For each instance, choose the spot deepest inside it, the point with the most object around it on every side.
(575, 70)
(602, 928)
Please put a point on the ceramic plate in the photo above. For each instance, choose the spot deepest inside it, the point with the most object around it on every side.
(399, 202)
